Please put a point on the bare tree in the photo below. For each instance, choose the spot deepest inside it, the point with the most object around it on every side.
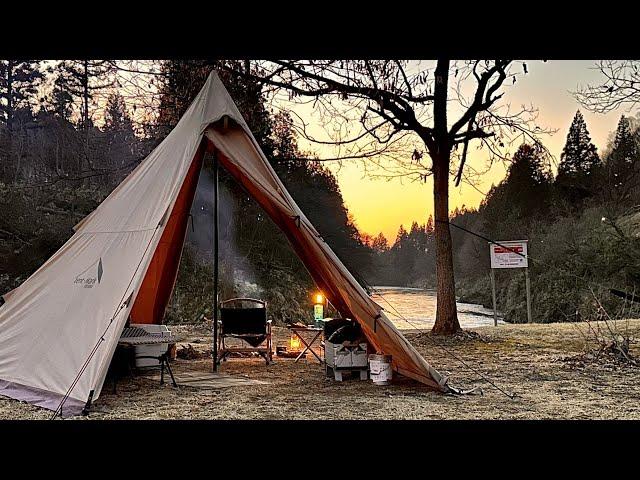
(19, 80)
(388, 113)
(620, 87)
(139, 83)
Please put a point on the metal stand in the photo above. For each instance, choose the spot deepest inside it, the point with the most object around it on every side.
(337, 373)
(164, 363)
(510, 254)
(493, 292)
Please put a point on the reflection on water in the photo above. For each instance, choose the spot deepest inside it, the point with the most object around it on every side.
(418, 306)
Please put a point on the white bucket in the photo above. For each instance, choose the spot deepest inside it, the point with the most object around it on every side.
(380, 369)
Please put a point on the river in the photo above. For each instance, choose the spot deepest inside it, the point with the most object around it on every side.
(418, 307)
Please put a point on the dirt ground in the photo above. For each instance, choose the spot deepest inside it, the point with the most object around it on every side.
(524, 359)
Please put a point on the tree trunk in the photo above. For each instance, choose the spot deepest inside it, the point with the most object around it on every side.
(85, 93)
(10, 96)
(85, 86)
(446, 312)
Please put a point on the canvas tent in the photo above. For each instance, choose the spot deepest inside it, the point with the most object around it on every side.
(60, 328)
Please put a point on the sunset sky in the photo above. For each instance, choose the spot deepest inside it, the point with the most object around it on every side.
(379, 205)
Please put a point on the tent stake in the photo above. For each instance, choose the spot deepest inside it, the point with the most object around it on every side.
(87, 406)
(215, 261)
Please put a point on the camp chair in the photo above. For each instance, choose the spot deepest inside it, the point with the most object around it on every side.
(244, 319)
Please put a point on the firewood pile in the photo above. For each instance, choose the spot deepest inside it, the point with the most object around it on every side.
(187, 352)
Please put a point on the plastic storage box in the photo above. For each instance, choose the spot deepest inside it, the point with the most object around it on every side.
(151, 350)
(346, 356)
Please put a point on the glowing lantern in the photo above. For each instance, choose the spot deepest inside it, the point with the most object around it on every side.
(294, 343)
(318, 309)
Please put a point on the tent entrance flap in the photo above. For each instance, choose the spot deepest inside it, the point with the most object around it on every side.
(241, 156)
(156, 289)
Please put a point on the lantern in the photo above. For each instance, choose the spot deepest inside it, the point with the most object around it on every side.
(294, 343)
(318, 308)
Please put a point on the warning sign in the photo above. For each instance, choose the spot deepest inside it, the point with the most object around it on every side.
(509, 254)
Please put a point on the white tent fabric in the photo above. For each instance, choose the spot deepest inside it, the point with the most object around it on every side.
(60, 328)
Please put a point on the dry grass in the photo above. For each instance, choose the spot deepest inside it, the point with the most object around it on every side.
(524, 359)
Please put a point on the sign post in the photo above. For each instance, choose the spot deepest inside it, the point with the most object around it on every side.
(526, 277)
(510, 254)
(493, 291)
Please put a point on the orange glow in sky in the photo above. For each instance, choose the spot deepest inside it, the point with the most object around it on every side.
(380, 205)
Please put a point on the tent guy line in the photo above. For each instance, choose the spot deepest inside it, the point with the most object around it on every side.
(421, 330)
(124, 302)
(371, 289)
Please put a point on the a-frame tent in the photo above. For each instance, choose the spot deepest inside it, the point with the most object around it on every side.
(60, 328)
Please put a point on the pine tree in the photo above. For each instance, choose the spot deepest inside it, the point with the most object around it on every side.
(402, 257)
(417, 236)
(579, 162)
(119, 134)
(116, 117)
(81, 80)
(19, 81)
(623, 163)
(400, 237)
(523, 194)
(527, 169)
(430, 226)
(60, 100)
(380, 243)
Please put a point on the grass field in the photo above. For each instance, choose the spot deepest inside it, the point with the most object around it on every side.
(524, 359)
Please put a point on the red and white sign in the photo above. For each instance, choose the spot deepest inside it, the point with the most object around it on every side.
(509, 254)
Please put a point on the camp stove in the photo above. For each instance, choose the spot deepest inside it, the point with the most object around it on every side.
(346, 356)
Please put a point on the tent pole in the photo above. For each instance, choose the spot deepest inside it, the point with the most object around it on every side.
(215, 261)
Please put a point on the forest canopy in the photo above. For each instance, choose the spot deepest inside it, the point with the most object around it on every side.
(71, 131)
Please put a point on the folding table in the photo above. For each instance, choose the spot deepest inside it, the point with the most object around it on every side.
(299, 332)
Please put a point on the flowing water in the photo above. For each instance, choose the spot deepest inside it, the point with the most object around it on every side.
(418, 307)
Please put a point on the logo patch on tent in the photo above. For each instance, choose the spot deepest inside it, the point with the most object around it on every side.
(90, 277)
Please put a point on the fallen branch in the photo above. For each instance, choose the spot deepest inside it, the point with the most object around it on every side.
(58, 212)
(17, 237)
